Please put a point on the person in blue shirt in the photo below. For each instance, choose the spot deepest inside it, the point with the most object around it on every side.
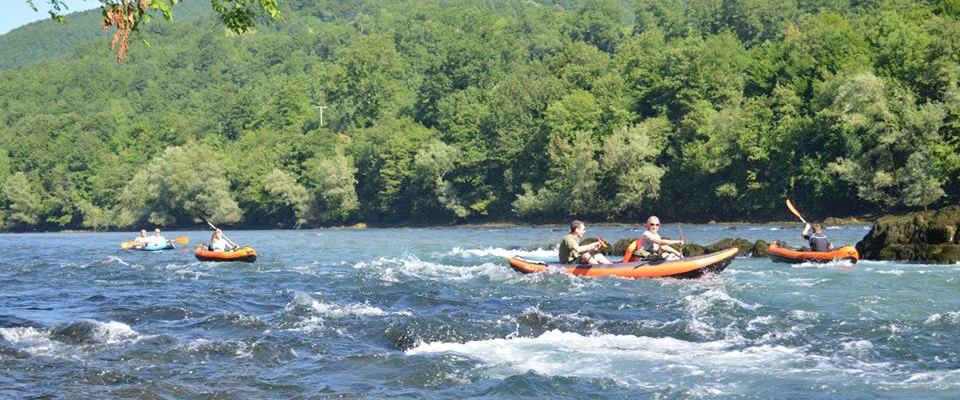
(818, 241)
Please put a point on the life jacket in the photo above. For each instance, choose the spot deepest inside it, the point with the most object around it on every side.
(819, 242)
(634, 250)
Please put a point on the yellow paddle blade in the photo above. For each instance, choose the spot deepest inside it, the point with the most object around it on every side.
(182, 240)
(128, 244)
(794, 211)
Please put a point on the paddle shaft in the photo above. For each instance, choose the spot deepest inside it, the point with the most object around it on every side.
(681, 239)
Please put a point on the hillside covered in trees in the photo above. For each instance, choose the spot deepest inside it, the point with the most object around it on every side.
(445, 111)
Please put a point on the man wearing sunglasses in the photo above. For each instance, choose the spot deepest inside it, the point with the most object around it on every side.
(650, 246)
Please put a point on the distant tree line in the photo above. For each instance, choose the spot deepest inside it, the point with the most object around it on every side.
(447, 111)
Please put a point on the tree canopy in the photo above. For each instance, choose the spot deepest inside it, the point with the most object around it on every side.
(447, 111)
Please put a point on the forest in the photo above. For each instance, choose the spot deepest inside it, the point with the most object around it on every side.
(468, 111)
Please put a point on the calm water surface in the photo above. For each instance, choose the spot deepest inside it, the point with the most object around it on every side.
(437, 313)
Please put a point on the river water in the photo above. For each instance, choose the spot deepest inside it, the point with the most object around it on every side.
(438, 313)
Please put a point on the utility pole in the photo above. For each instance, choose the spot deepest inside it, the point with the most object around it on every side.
(321, 113)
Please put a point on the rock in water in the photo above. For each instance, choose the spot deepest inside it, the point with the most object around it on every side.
(928, 236)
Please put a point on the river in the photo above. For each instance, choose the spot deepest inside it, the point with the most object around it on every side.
(438, 313)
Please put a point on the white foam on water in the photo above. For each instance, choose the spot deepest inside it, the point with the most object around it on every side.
(760, 323)
(32, 340)
(539, 253)
(118, 260)
(834, 263)
(804, 315)
(952, 317)
(39, 342)
(895, 272)
(400, 269)
(113, 332)
(632, 360)
(325, 310)
(943, 379)
(699, 303)
(858, 348)
(806, 282)
(203, 346)
(332, 310)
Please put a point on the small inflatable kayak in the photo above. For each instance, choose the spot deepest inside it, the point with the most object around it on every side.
(690, 267)
(244, 254)
(155, 247)
(781, 253)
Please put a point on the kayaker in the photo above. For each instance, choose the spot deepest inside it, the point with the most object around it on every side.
(141, 240)
(157, 238)
(571, 252)
(818, 241)
(219, 243)
(650, 246)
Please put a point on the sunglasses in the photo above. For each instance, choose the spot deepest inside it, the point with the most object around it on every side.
(653, 224)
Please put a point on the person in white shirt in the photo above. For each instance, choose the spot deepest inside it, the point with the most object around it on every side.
(650, 246)
(157, 238)
(219, 243)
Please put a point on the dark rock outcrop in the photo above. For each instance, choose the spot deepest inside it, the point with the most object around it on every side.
(929, 236)
(747, 248)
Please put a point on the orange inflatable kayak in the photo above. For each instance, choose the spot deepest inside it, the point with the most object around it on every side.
(245, 254)
(690, 267)
(780, 253)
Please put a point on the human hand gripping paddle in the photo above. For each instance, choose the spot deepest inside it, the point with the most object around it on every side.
(603, 243)
(131, 243)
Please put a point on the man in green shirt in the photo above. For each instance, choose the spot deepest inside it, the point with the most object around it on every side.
(571, 252)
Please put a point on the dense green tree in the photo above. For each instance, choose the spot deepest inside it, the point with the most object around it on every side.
(885, 139)
(332, 181)
(598, 22)
(291, 194)
(443, 111)
(575, 112)
(185, 183)
(26, 200)
(629, 156)
(369, 81)
(571, 189)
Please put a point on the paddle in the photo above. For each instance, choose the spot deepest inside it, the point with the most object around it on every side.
(131, 243)
(603, 243)
(681, 239)
(795, 212)
(224, 234)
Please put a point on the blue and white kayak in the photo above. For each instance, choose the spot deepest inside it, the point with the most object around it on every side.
(157, 246)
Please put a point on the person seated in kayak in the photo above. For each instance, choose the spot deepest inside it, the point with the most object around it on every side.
(219, 243)
(650, 246)
(818, 241)
(571, 252)
(141, 240)
(158, 239)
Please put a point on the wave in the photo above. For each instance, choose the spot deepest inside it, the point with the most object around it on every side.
(538, 253)
(309, 314)
(623, 358)
(835, 263)
(55, 341)
(399, 269)
(950, 318)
